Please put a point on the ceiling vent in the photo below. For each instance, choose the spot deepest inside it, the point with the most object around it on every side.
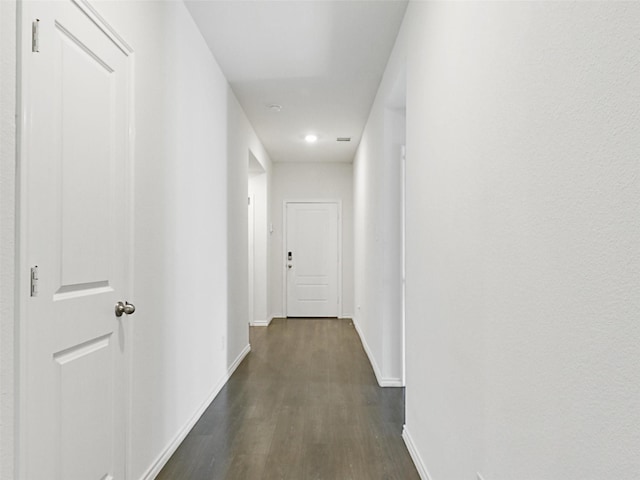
(343, 139)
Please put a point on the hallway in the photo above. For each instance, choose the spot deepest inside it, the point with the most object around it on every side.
(485, 158)
(303, 405)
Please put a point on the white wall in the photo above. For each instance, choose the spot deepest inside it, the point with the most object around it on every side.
(311, 181)
(7, 232)
(523, 258)
(180, 211)
(378, 226)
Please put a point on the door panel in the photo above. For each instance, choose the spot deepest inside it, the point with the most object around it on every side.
(81, 374)
(86, 83)
(312, 272)
(76, 216)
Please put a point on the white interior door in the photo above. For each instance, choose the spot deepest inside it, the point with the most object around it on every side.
(312, 259)
(75, 167)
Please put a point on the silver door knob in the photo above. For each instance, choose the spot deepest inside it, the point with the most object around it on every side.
(125, 307)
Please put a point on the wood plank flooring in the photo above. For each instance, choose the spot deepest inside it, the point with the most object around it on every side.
(303, 405)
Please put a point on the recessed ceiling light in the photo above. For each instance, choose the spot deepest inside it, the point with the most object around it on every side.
(311, 138)
(274, 107)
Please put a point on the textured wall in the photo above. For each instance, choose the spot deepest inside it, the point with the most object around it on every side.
(7, 231)
(523, 239)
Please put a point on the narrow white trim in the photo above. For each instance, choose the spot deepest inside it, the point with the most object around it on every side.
(22, 126)
(130, 189)
(267, 322)
(415, 456)
(103, 25)
(251, 255)
(367, 350)
(236, 363)
(154, 469)
(390, 382)
(403, 245)
(382, 381)
(10, 260)
(261, 323)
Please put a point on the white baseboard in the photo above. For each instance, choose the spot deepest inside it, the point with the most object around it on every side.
(236, 363)
(153, 471)
(263, 323)
(382, 381)
(415, 456)
(390, 382)
(367, 350)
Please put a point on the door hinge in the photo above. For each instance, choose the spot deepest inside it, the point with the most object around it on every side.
(34, 281)
(35, 34)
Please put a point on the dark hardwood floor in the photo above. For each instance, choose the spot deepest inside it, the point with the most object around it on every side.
(303, 405)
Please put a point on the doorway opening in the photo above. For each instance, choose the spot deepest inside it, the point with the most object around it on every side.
(395, 140)
(257, 242)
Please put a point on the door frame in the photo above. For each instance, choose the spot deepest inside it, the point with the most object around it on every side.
(403, 246)
(22, 272)
(251, 254)
(285, 277)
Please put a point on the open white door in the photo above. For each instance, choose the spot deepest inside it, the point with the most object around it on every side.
(312, 256)
(75, 229)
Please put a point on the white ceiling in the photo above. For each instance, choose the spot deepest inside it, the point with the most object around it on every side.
(321, 60)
